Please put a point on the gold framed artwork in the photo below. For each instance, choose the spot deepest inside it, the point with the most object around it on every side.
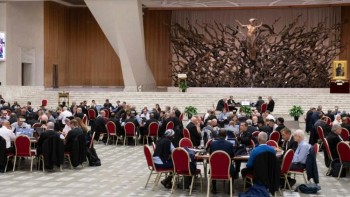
(340, 70)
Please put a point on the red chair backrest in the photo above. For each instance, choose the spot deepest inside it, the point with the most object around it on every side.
(185, 142)
(263, 107)
(153, 129)
(344, 134)
(106, 113)
(220, 163)
(272, 143)
(181, 118)
(287, 161)
(36, 125)
(344, 152)
(275, 136)
(181, 161)
(148, 155)
(326, 147)
(226, 106)
(316, 148)
(255, 133)
(92, 140)
(186, 133)
(85, 119)
(328, 120)
(348, 120)
(111, 128)
(44, 102)
(129, 128)
(320, 132)
(170, 125)
(22, 145)
(91, 114)
(252, 143)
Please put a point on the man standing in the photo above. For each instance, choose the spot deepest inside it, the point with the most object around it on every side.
(259, 103)
(231, 104)
(271, 104)
(221, 104)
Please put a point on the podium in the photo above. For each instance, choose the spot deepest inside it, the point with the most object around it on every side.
(339, 86)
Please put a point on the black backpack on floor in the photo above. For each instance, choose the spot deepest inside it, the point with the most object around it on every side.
(92, 157)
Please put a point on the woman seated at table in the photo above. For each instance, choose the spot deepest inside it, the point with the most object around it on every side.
(162, 155)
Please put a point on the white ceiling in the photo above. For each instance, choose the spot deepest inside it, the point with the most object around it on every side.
(237, 3)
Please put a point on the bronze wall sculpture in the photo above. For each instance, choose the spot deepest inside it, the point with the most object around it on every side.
(225, 56)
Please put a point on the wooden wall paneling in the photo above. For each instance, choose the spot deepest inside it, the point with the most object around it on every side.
(157, 44)
(345, 35)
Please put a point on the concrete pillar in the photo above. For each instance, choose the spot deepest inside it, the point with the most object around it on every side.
(122, 23)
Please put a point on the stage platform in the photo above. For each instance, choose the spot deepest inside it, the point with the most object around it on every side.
(202, 98)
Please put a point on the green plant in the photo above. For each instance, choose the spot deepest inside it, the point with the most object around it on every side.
(190, 111)
(246, 110)
(296, 111)
(183, 86)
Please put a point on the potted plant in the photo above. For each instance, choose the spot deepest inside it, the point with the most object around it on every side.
(296, 112)
(190, 111)
(247, 110)
(183, 86)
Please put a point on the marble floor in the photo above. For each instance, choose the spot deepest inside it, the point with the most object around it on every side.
(124, 173)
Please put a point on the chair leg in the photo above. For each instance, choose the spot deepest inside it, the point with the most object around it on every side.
(136, 139)
(43, 162)
(172, 188)
(14, 163)
(231, 187)
(146, 140)
(70, 163)
(107, 140)
(341, 168)
(31, 164)
(6, 164)
(148, 178)
(208, 188)
(191, 187)
(244, 183)
(304, 177)
(286, 181)
(156, 181)
(124, 140)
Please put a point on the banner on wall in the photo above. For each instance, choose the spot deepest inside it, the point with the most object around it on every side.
(2, 46)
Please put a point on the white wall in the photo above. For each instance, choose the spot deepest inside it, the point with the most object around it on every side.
(25, 41)
(3, 29)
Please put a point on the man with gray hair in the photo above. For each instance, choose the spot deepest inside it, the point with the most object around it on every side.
(49, 132)
(300, 155)
(333, 139)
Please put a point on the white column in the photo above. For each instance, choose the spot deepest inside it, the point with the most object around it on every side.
(122, 23)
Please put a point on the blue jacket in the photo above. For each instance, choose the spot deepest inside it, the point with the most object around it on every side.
(311, 166)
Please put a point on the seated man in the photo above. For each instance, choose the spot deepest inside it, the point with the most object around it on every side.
(19, 124)
(8, 135)
(72, 134)
(162, 155)
(262, 147)
(300, 155)
(333, 139)
(288, 140)
(222, 144)
(49, 132)
(195, 131)
(243, 141)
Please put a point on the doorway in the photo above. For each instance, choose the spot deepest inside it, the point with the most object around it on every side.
(26, 74)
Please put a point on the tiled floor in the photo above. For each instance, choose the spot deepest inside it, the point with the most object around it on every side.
(124, 173)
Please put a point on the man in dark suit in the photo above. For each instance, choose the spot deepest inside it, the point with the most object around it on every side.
(263, 127)
(221, 104)
(119, 128)
(288, 140)
(243, 141)
(222, 144)
(259, 103)
(195, 131)
(49, 132)
(100, 125)
(76, 131)
(79, 113)
(231, 104)
(333, 139)
(271, 104)
(345, 125)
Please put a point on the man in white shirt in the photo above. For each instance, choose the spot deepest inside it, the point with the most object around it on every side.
(64, 114)
(7, 133)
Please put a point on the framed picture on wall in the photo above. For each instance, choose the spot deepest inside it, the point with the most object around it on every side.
(2, 46)
(340, 70)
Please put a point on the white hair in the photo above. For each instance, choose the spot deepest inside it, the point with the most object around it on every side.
(300, 133)
(262, 137)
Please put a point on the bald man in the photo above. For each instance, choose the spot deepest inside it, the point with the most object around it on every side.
(7, 134)
(195, 131)
(49, 132)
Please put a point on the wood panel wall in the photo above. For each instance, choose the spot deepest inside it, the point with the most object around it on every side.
(157, 44)
(345, 36)
(74, 41)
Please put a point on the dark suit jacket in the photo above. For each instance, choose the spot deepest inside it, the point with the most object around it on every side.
(100, 125)
(195, 136)
(333, 140)
(70, 138)
(258, 104)
(271, 105)
(220, 106)
(45, 135)
(265, 129)
(80, 115)
(290, 145)
(245, 138)
(119, 129)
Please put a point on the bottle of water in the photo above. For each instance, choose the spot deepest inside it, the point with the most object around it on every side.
(202, 143)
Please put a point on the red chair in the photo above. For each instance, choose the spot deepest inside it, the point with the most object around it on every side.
(275, 136)
(22, 146)
(344, 155)
(263, 107)
(252, 144)
(170, 125)
(344, 134)
(44, 103)
(106, 113)
(348, 120)
(130, 131)
(226, 106)
(185, 142)
(154, 146)
(207, 145)
(36, 125)
(152, 131)
(92, 140)
(286, 163)
(272, 143)
(91, 114)
(328, 151)
(328, 120)
(316, 148)
(181, 161)
(186, 133)
(111, 131)
(220, 163)
(181, 118)
(255, 134)
(85, 119)
(152, 168)
(320, 134)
